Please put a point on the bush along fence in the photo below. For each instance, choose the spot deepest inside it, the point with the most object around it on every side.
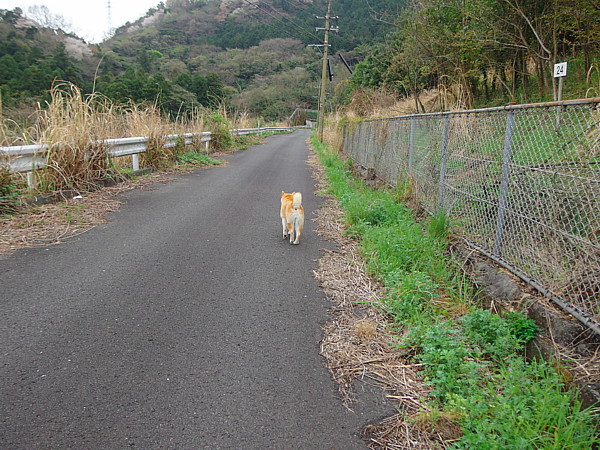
(520, 184)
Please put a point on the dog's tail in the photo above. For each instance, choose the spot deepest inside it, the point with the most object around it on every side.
(297, 200)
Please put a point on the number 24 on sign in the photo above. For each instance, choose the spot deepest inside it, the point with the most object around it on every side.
(560, 70)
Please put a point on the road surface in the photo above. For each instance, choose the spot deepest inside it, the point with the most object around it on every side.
(185, 322)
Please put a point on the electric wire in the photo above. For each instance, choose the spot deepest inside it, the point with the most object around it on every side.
(298, 26)
(271, 25)
(278, 20)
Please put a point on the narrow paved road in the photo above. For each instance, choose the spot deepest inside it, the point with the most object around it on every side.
(185, 322)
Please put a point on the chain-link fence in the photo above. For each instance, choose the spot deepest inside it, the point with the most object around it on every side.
(521, 184)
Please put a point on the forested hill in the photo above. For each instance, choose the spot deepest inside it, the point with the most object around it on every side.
(252, 54)
(258, 49)
(245, 23)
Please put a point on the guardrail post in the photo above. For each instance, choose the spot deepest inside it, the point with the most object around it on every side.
(443, 164)
(135, 162)
(30, 180)
(504, 184)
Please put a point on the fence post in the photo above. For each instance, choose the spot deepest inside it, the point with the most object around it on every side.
(411, 145)
(443, 164)
(367, 140)
(503, 196)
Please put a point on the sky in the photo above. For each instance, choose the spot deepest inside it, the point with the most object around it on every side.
(89, 18)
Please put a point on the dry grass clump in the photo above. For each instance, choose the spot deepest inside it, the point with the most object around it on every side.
(243, 120)
(366, 102)
(366, 329)
(377, 103)
(333, 132)
(69, 127)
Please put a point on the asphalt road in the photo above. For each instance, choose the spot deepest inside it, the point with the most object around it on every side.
(185, 322)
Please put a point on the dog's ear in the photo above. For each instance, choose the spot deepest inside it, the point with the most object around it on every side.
(282, 193)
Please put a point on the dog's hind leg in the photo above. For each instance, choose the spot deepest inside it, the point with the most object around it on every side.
(285, 228)
(291, 230)
(298, 227)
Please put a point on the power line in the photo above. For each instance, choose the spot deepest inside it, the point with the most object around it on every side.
(298, 26)
(302, 6)
(278, 13)
(269, 24)
(278, 20)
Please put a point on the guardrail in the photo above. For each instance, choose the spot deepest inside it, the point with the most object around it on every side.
(29, 158)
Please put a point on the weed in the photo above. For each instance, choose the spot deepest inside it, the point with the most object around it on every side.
(8, 193)
(452, 367)
(411, 296)
(197, 159)
(525, 406)
(491, 333)
(522, 327)
(221, 137)
(405, 190)
(439, 226)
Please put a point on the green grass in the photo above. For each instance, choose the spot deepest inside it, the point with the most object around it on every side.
(472, 359)
(9, 194)
(197, 159)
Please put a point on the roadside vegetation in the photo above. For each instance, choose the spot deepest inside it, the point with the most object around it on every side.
(471, 359)
(74, 125)
(487, 53)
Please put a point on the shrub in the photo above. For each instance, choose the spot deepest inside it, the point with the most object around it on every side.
(8, 192)
(218, 125)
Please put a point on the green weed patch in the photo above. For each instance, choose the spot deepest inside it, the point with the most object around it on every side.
(197, 159)
(471, 358)
(8, 193)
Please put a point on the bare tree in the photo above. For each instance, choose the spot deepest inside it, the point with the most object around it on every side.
(42, 15)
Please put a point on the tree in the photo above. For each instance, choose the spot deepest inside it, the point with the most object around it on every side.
(42, 15)
(476, 45)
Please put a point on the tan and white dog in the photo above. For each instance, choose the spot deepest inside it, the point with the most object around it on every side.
(292, 216)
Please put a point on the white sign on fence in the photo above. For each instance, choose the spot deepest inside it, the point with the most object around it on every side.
(560, 70)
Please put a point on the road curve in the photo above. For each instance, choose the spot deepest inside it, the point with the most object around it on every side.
(185, 322)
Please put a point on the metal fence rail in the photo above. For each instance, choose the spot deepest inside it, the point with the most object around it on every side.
(520, 184)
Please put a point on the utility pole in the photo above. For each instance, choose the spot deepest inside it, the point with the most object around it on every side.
(324, 70)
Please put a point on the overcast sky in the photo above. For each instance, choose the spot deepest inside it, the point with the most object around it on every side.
(89, 18)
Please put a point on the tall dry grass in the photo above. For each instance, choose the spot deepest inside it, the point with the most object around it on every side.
(378, 103)
(71, 126)
(74, 126)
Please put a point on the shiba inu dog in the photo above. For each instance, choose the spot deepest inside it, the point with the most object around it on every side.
(292, 216)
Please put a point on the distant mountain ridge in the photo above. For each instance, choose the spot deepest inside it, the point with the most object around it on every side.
(244, 23)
